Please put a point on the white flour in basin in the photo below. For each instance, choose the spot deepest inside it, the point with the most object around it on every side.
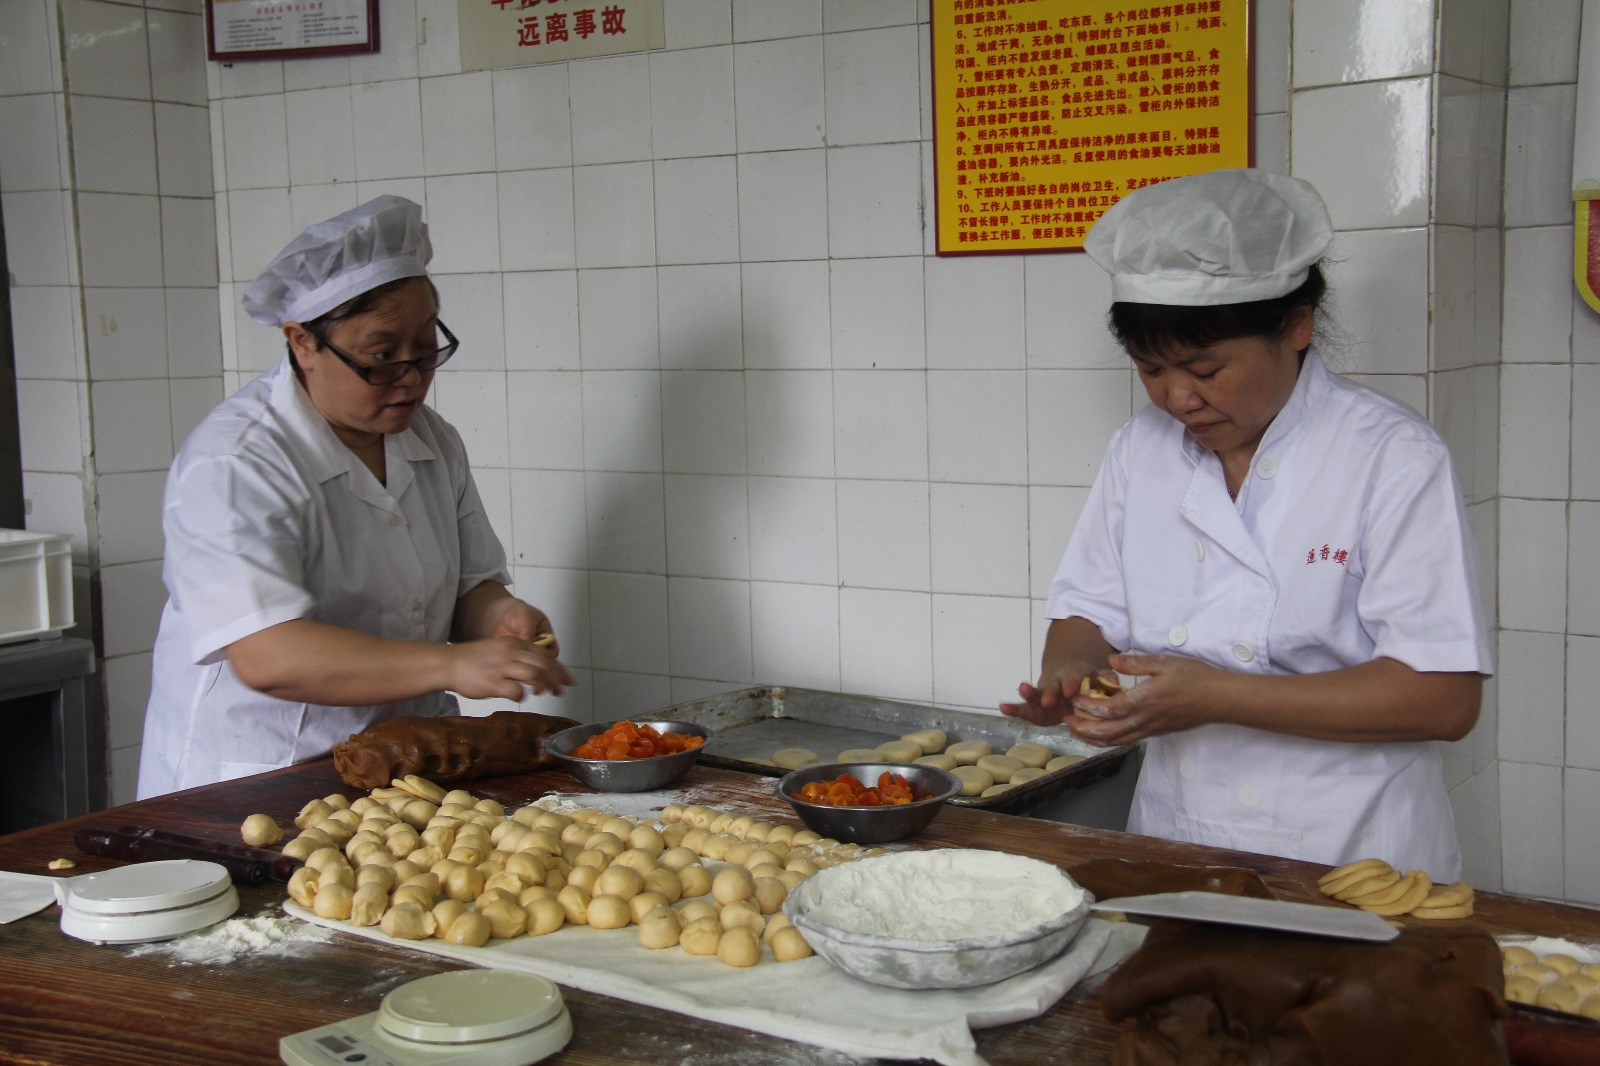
(951, 894)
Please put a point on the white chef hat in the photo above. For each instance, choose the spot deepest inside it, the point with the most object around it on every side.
(1223, 237)
(337, 260)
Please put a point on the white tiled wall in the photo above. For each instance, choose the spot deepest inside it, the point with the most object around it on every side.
(1550, 341)
(735, 423)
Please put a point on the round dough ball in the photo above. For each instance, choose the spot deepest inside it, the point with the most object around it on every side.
(575, 901)
(697, 909)
(694, 840)
(739, 947)
(1001, 766)
(759, 831)
(444, 912)
(1030, 754)
(333, 901)
(303, 886)
(929, 740)
(739, 853)
(732, 884)
(506, 919)
(762, 857)
(1538, 973)
(968, 752)
(720, 821)
(1520, 989)
(644, 903)
(973, 779)
(368, 904)
(781, 834)
(325, 857)
(1061, 762)
(312, 813)
(740, 826)
(464, 882)
(382, 876)
(677, 858)
(545, 916)
(860, 755)
(659, 928)
(995, 790)
(716, 847)
(673, 834)
(665, 883)
(1581, 983)
(805, 836)
(592, 857)
(791, 879)
(584, 877)
(1517, 956)
(775, 923)
(407, 921)
(900, 750)
(1592, 969)
(943, 760)
(618, 826)
(742, 912)
(769, 894)
(1026, 774)
(1552, 997)
(526, 897)
(470, 929)
(695, 879)
(1590, 1008)
(671, 813)
(259, 830)
(701, 936)
(1561, 964)
(788, 944)
(608, 912)
(646, 838)
(621, 881)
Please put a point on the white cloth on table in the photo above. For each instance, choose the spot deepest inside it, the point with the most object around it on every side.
(807, 1000)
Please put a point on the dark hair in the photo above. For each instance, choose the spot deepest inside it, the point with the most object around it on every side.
(1155, 329)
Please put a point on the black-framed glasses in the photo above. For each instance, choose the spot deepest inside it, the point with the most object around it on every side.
(391, 373)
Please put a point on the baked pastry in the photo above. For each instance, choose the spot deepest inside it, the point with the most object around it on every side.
(1197, 993)
(447, 749)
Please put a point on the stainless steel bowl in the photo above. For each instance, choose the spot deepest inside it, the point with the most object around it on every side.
(965, 962)
(870, 825)
(626, 775)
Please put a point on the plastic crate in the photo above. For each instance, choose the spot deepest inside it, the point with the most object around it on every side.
(35, 585)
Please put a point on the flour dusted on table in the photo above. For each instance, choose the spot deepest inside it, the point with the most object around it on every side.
(951, 894)
(226, 941)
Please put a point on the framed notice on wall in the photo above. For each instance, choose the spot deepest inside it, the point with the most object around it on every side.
(287, 29)
(1046, 112)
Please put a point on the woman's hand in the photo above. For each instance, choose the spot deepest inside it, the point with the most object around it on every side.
(526, 622)
(1050, 701)
(501, 666)
(1172, 698)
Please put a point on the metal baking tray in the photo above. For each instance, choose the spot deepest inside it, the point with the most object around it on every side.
(751, 724)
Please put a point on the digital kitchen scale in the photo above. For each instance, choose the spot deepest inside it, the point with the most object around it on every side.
(461, 1018)
(146, 901)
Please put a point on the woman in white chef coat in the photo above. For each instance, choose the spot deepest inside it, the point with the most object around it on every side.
(1278, 557)
(328, 560)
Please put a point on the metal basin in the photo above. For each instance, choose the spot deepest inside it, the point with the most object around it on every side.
(870, 825)
(626, 775)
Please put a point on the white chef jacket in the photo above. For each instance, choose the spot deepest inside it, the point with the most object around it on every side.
(268, 517)
(1348, 542)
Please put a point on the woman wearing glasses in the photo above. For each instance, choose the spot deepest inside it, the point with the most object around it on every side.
(328, 561)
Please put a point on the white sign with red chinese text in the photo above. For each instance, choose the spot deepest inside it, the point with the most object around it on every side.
(516, 33)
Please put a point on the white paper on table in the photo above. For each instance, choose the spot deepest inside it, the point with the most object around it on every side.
(808, 1000)
(25, 894)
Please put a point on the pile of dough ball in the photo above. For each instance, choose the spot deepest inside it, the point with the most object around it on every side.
(419, 862)
(1554, 981)
(982, 772)
(1374, 885)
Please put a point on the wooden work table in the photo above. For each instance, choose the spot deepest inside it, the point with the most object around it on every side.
(66, 1001)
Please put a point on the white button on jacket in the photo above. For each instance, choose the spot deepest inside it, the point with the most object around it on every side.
(269, 517)
(1354, 545)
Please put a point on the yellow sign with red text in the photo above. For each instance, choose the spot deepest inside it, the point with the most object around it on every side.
(1046, 112)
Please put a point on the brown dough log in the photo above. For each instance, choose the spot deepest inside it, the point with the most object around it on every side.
(447, 749)
(1112, 878)
(1220, 994)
